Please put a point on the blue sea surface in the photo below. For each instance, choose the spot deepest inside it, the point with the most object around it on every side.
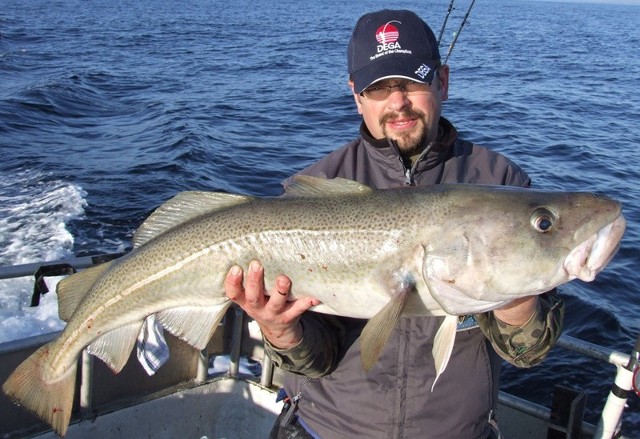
(108, 108)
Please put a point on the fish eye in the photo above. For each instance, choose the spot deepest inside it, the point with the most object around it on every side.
(543, 220)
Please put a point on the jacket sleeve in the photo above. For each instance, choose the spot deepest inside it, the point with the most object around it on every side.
(529, 344)
(318, 353)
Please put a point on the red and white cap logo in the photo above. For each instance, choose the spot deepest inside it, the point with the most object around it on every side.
(387, 33)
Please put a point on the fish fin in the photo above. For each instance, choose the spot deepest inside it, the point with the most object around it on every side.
(443, 345)
(182, 208)
(308, 186)
(115, 346)
(193, 324)
(71, 290)
(52, 401)
(377, 331)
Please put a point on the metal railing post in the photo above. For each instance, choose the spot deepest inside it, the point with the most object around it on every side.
(236, 342)
(266, 378)
(203, 366)
(86, 384)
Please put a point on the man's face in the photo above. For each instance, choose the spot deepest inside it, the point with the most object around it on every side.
(408, 117)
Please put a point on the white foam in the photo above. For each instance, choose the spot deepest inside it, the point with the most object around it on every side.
(34, 212)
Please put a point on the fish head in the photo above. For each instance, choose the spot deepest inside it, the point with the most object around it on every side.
(503, 243)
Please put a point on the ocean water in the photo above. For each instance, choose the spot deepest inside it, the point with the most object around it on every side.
(108, 108)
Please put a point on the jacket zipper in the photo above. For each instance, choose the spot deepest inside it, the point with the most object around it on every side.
(409, 172)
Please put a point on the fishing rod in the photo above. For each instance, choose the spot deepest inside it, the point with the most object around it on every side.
(444, 23)
(456, 34)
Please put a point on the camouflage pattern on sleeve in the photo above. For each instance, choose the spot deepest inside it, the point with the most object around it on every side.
(317, 354)
(528, 345)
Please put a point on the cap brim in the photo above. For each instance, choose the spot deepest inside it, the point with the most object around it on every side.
(405, 67)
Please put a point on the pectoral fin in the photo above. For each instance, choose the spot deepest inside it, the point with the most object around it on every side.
(443, 345)
(377, 331)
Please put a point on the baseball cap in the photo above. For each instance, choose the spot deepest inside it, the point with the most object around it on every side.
(391, 44)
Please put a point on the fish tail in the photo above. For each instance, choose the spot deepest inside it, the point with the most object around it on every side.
(49, 399)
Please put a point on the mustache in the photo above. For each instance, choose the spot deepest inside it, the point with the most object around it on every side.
(408, 114)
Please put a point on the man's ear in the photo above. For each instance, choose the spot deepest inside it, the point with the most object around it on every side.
(356, 96)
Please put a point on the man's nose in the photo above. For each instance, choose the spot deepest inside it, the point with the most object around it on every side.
(398, 98)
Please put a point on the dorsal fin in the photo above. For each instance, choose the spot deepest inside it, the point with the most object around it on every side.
(308, 186)
(73, 289)
(181, 208)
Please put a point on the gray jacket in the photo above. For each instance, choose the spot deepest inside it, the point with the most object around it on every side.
(394, 399)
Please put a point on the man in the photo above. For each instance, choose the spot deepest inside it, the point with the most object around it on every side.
(398, 85)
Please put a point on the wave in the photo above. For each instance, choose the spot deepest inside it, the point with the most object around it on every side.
(35, 210)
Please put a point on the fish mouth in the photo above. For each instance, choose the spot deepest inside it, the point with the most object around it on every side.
(589, 258)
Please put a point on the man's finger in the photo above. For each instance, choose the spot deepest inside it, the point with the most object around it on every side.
(254, 287)
(280, 296)
(300, 306)
(233, 284)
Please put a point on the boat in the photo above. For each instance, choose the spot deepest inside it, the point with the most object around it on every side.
(228, 390)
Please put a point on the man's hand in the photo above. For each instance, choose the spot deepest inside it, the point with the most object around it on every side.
(517, 312)
(278, 318)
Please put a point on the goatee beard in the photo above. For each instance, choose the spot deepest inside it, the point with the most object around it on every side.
(409, 143)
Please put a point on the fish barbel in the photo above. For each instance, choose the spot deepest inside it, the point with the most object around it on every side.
(445, 250)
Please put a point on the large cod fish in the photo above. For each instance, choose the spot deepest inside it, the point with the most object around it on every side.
(446, 250)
